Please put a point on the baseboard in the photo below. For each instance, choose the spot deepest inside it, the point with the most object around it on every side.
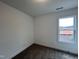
(21, 50)
(56, 49)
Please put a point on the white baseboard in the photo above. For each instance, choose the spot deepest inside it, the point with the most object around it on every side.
(20, 50)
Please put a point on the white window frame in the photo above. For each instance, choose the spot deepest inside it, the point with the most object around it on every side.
(74, 29)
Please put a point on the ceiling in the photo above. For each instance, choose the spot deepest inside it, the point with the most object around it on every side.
(39, 7)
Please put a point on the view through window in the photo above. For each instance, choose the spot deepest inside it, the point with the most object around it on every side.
(67, 29)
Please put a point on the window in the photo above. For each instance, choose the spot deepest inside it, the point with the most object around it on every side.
(66, 30)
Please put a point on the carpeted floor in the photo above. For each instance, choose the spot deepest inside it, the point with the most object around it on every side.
(40, 52)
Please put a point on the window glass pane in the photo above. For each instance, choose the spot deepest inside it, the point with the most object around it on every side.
(66, 30)
(65, 22)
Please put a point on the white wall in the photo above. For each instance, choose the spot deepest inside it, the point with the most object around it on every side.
(46, 27)
(16, 31)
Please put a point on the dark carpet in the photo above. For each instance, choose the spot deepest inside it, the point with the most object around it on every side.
(41, 52)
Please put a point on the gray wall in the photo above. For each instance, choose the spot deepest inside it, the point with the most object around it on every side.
(46, 27)
(16, 31)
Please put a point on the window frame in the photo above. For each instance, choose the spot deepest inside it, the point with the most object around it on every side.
(75, 29)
